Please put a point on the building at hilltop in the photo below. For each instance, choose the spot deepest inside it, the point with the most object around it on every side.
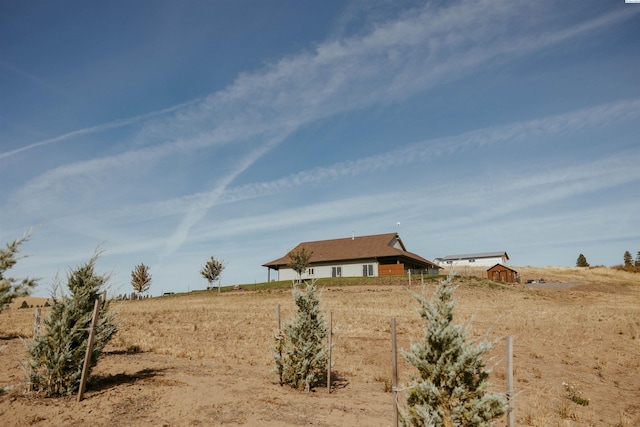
(357, 256)
(484, 259)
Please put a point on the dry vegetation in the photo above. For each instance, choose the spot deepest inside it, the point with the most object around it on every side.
(205, 359)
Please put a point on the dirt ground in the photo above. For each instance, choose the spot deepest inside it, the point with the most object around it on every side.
(160, 390)
(205, 358)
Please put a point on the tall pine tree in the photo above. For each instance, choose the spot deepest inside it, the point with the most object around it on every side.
(57, 355)
(451, 386)
(582, 261)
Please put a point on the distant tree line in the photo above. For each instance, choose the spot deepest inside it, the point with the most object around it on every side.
(629, 264)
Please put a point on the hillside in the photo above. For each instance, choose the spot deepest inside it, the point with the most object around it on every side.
(205, 357)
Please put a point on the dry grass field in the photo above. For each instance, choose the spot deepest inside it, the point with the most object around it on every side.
(204, 358)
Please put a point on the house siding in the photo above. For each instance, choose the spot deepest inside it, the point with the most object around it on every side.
(391, 270)
(326, 270)
(480, 259)
(500, 273)
(477, 262)
(351, 254)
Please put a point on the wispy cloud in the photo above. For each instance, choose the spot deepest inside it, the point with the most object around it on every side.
(197, 211)
(496, 137)
(588, 118)
(391, 62)
(95, 129)
(417, 51)
(524, 191)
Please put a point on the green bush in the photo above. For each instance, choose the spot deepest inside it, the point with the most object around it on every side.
(10, 287)
(57, 355)
(300, 352)
(451, 385)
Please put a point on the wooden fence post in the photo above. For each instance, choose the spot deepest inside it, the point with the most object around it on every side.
(394, 372)
(278, 312)
(87, 356)
(510, 414)
(279, 338)
(36, 322)
(330, 345)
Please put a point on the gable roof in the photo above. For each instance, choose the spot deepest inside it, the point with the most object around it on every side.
(503, 266)
(477, 255)
(354, 248)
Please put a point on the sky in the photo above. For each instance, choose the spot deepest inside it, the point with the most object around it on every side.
(167, 132)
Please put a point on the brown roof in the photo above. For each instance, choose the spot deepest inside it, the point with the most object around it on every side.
(354, 248)
(503, 266)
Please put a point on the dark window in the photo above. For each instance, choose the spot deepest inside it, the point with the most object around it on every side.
(367, 270)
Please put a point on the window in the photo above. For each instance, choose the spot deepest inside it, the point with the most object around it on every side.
(336, 271)
(310, 271)
(367, 270)
(472, 260)
(449, 262)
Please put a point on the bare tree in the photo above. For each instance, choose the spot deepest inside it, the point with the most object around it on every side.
(141, 279)
(212, 270)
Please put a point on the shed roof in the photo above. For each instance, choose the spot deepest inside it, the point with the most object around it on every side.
(501, 266)
(475, 256)
(354, 248)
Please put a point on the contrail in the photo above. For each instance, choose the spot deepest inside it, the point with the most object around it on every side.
(200, 208)
(95, 129)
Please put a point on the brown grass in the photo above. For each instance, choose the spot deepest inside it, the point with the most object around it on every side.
(587, 336)
(574, 275)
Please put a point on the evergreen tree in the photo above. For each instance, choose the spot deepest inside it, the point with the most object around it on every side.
(300, 353)
(638, 259)
(451, 387)
(299, 261)
(11, 288)
(628, 259)
(212, 270)
(582, 261)
(57, 355)
(141, 279)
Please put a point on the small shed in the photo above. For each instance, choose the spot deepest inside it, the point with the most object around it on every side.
(500, 273)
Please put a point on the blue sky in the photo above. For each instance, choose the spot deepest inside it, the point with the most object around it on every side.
(171, 131)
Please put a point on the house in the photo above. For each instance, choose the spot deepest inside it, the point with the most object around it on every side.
(485, 259)
(500, 273)
(357, 256)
